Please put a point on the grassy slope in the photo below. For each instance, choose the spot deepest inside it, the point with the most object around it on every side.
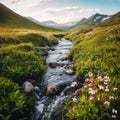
(96, 45)
(96, 48)
(8, 18)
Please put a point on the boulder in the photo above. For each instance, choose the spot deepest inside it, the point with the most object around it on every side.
(51, 90)
(69, 72)
(53, 64)
(28, 87)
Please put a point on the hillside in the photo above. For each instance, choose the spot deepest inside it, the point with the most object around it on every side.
(8, 18)
(96, 59)
(115, 19)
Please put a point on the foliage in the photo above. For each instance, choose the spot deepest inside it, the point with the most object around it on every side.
(13, 102)
(8, 40)
(20, 61)
(96, 49)
(36, 39)
(98, 100)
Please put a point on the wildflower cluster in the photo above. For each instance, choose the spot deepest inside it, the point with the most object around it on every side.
(101, 94)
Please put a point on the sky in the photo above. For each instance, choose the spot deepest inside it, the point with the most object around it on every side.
(62, 11)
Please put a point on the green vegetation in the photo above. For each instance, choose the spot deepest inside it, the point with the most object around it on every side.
(14, 104)
(96, 48)
(20, 61)
(98, 100)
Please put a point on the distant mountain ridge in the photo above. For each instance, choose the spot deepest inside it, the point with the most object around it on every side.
(50, 23)
(9, 18)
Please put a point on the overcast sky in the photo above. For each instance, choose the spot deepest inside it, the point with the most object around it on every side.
(62, 11)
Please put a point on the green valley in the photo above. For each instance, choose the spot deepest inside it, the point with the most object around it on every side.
(95, 60)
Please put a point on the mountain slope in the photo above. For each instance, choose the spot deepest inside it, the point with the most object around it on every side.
(115, 19)
(8, 18)
(94, 19)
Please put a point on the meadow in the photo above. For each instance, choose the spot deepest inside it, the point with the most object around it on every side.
(96, 59)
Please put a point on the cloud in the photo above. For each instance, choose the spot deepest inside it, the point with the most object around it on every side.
(15, 1)
(43, 10)
(24, 1)
(64, 14)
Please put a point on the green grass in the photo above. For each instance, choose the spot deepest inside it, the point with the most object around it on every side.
(95, 48)
(98, 47)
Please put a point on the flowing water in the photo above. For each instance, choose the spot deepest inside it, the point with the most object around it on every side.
(47, 107)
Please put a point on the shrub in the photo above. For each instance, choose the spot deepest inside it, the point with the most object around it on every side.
(13, 103)
(21, 61)
(38, 39)
(8, 40)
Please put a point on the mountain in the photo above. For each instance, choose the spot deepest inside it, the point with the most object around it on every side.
(63, 26)
(49, 23)
(53, 24)
(94, 19)
(8, 18)
(113, 20)
(34, 20)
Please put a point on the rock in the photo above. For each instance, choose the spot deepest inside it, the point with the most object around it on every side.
(53, 65)
(28, 87)
(52, 48)
(36, 88)
(69, 72)
(44, 53)
(50, 90)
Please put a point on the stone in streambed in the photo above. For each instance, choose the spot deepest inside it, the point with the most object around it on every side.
(69, 72)
(53, 64)
(28, 87)
(51, 90)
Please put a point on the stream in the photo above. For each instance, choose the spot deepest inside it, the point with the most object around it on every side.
(50, 93)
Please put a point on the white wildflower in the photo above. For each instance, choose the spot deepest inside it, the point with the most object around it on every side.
(100, 78)
(111, 98)
(114, 111)
(91, 98)
(106, 77)
(90, 74)
(98, 98)
(107, 90)
(105, 83)
(85, 86)
(91, 91)
(115, 88)
(87, 80)
(74, 99)
(101, 87)
(107, 103)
